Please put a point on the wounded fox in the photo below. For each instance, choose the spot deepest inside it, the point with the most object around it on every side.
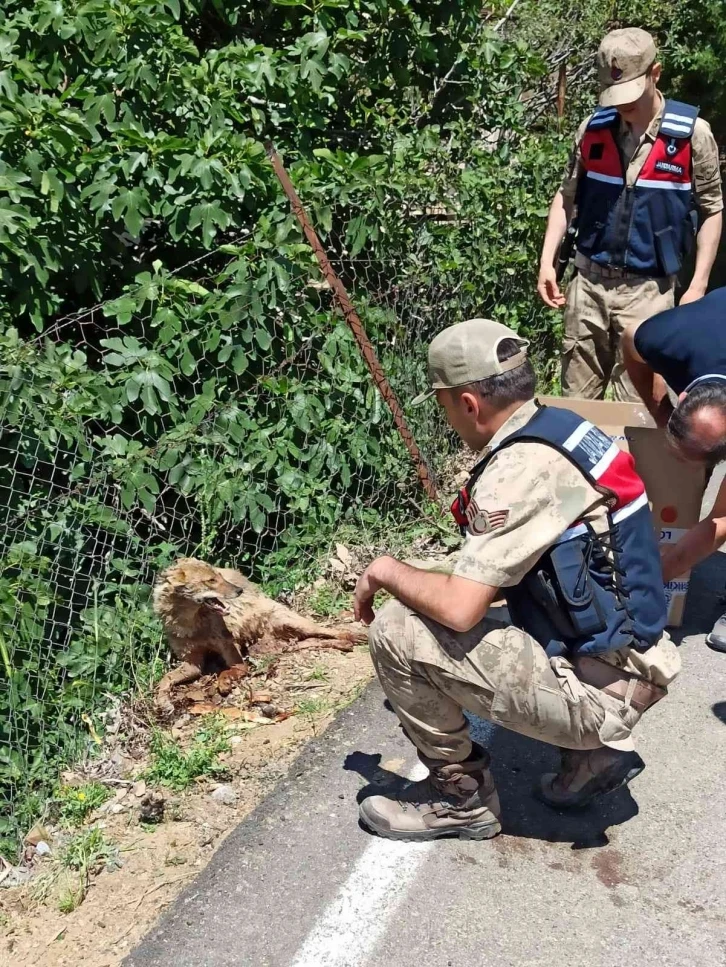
(208, 611)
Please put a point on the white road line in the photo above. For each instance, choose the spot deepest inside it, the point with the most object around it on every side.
(351, 926)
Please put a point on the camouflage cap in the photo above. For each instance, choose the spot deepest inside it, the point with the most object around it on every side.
(623, 59)
(467, 352)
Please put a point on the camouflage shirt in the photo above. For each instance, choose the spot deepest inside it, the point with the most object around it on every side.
(522, 503)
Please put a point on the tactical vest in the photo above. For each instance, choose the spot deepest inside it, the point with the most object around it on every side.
(589, 593)
(647, 228)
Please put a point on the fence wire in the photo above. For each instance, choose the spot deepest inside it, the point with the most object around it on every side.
(224, 413)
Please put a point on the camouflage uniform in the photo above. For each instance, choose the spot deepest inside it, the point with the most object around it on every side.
(600, 305)
(531, 495)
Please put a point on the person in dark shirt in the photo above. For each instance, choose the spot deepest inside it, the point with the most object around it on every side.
(685, 349)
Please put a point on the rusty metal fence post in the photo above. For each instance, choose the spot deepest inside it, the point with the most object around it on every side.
(354, 322)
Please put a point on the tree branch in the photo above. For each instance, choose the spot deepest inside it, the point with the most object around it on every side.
(507, 15)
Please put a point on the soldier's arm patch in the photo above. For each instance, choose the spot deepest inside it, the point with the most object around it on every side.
(480, 521)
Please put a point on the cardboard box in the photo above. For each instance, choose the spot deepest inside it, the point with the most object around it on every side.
(675, 489)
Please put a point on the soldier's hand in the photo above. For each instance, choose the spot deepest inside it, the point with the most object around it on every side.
(548, 287)
(365, 592)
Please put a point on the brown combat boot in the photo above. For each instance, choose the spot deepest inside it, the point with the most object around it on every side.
(456, 799)
(584, 775)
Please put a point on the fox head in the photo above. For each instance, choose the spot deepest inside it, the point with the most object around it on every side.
(191, 581)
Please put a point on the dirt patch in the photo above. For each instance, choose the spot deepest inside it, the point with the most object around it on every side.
(508, 847)
(151, 864)
(691, 906)
(608, 866)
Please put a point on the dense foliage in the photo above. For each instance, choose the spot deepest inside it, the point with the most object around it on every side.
(174, 377)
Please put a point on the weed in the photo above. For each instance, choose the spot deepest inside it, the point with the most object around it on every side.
(147, 827)
(174, 813)
(351, 695)
(328, 600)
(77, 802)
(84, 855)
(149, 674)
(177, 768)
(312, 706)
(87, 852)
(318, 673)
(70, 900)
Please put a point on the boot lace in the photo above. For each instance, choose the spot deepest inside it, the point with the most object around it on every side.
(426, 792)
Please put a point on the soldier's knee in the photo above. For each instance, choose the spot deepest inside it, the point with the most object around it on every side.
(388, 631)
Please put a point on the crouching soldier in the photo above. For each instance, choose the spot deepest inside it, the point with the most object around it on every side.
(555, 516)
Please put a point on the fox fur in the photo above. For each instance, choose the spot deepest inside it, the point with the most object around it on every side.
(207, 611)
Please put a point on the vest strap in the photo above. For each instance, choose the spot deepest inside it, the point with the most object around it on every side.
(679, 120)
(604, 117)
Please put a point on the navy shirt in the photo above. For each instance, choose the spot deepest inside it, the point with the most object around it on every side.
(687, 342)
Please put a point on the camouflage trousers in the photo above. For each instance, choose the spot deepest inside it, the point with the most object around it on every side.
(597, 313)
(431, 674)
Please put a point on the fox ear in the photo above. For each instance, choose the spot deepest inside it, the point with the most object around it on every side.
(182, 574)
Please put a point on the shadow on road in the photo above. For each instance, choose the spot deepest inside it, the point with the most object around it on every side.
(379, 780)
(517, 763)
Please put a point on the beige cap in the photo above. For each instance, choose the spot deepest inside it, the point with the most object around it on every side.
(623, 59)
(467, 352)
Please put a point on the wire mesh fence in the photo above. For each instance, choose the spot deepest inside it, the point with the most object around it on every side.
(221, 411)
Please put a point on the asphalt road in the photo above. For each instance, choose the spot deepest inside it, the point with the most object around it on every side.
(640, 879)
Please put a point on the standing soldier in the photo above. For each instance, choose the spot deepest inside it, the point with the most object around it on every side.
(642, 170)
